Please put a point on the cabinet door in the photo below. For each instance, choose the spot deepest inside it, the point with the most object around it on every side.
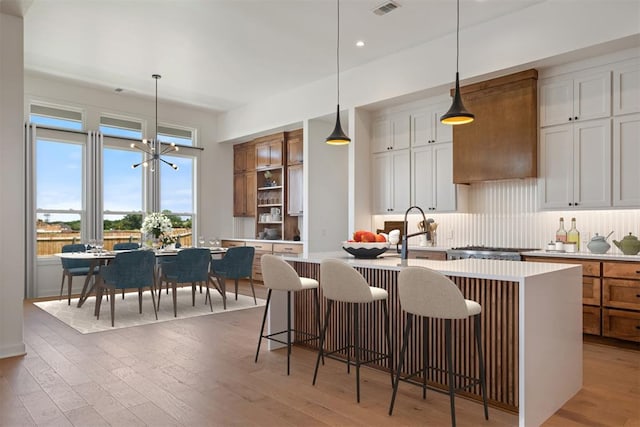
(400, 131)
(275, 153)
(239, 195)
(592, 163)
(381, 182)
(626, 161)
(294, 150)
(401, 181)
(295, 190)
(441, 132)
(263, 155)
(556, 155)
(422, 184)
(239, 159)
(626, 88)
(381, 135)
(445, 189)
(250, 193)
(592, 96)
(556, 101)
(250, 158)
(421, 128)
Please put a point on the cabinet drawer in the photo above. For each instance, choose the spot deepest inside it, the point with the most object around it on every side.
(623, 270)
(621, 324)
(591, 320)
(231, 243)
(263, 247)
(589, 268)
(433, 255)
(286, 248)
(621, 294)
(591, 290)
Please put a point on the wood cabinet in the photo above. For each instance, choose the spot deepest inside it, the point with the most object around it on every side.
(230, 243)
(576, 165)
(502, 141)
(626, 160)
(270, 202)
(426, 127)
(391, 181)
(575, 98)
(244, 194)
(269, 151)
(391, 132)
(244, 158)
(626, 87)
(432, 178)
(294, 148)
(432, 255)
(260, 249)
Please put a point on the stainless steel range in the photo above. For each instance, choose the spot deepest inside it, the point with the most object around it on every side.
(485, 252)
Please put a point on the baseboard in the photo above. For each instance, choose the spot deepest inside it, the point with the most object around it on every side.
(12, 350)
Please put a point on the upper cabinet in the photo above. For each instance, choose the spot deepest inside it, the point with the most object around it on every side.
(579, 97)
(244, 157)
(294, 147)
(426, 127)
(626, 160)
(391, 181)
(391, 132)
(432, 178)
(626, 87)
(269, 151)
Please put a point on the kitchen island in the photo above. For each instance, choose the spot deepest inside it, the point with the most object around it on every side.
(531, 326)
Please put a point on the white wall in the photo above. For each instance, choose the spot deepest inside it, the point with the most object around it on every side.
(12, 225)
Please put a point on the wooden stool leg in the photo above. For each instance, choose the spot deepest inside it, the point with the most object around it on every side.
(356, 339)
(403, 350)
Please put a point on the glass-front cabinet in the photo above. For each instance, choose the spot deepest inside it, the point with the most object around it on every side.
(270, 206)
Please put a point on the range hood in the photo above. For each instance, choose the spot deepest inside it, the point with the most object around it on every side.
(502, 141)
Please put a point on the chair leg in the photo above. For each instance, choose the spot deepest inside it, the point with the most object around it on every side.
(99, 292)
(387, 333)
(253, 291)
(174, 285)
(208, 295)
(322, 335)
(193, 293)
(264, 319)
(153, 302)
(160, 292)
(403, 350)
(61, 286)
(69, 281)
(317, 301)
(483, 382)
(449, 357)
(223, 287)
(356, 340)
(425, 355)
(122, 293)
(349, 338)
(140, 300)
(288, 329)
(112, 293)
(236, 281)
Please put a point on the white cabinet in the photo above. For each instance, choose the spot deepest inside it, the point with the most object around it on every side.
(626, 161)
(576, 165)
(426, 127)
(390, 173)
(432, 178)
(295, 190)
(390, 133)
(575, 98)
(626, 87)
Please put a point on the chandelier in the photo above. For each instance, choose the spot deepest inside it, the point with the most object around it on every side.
(153, 148)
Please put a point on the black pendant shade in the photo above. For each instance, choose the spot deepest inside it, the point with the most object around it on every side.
(338, 137)
(457, 114)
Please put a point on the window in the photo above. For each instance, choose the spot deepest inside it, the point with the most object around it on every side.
(174, 135)
(119, 127)
(55, 117)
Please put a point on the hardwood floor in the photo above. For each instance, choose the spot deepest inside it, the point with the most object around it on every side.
(200, 372)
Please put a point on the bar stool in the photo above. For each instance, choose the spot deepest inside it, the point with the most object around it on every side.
(278, 275)
(342, 283)
(426, 293)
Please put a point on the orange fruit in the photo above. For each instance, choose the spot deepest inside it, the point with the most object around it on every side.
(380, 238)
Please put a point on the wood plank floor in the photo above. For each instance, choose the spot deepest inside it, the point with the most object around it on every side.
(200, 372)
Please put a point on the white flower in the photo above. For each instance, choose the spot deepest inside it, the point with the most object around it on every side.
(158, 224)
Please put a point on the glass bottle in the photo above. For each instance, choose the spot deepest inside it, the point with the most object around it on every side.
(561, 234)
(573, 236)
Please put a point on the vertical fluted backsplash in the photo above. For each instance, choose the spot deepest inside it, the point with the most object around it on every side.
(506, 214)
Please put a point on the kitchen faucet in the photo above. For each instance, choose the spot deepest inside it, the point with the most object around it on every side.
(404, 254)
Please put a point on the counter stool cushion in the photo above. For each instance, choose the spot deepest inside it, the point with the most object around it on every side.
(335, 274)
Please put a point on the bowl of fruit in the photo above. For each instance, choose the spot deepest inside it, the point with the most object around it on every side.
(366, 244)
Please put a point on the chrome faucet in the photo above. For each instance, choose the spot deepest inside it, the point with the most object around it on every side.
(404, 254)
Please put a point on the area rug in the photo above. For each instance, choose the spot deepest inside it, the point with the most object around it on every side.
(126, 311)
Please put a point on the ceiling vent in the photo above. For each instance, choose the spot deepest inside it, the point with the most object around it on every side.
(385, 8)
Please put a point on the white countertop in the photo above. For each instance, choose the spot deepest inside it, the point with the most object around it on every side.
(478, 268)
(609, 256)
(288, 242)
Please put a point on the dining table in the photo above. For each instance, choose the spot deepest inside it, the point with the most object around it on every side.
(98, 258)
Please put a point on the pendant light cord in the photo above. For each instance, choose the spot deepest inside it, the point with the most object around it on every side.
(458, 36)
(338, 56)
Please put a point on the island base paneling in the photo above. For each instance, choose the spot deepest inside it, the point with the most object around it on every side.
(499, 300)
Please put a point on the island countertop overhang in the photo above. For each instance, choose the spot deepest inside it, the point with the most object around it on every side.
(515, 271)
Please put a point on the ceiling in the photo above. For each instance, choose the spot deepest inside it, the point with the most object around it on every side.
(221, 54)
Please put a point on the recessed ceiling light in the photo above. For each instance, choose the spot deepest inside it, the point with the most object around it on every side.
(359, 43)
(119, 89)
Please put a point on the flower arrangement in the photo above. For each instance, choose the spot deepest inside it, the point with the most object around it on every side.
(159, 226)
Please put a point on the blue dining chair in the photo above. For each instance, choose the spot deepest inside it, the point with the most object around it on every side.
(237, 263)
(188, 266)
(128, 270)
(125, 246)
(74, 267)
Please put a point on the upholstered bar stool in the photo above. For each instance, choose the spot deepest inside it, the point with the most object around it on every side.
(342, 283)
(428, 294)
(278, 275)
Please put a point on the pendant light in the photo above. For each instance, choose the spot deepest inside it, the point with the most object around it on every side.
(457, 114)
(338, 137)
(153, 149)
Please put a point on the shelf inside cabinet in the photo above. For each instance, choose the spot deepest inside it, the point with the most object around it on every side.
(270, 205)
(274, 187)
